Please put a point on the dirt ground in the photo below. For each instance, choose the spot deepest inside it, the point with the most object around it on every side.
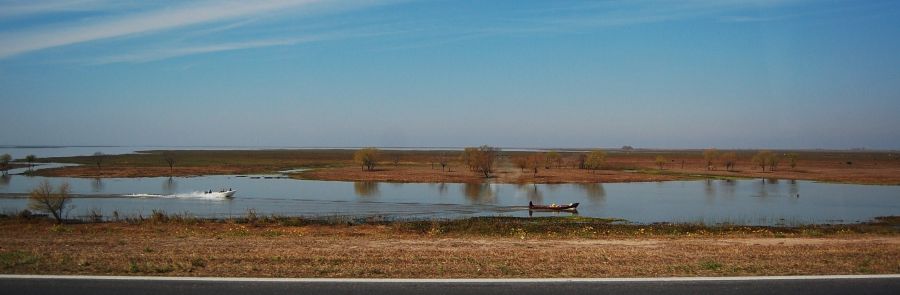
(231, 249)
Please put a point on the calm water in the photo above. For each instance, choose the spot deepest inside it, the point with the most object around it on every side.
(758, 202)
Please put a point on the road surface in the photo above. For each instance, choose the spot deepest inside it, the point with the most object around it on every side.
(55, 285)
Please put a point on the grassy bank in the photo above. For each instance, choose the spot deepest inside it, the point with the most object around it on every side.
(477, 247)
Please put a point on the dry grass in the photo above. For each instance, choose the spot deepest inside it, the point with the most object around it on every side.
(420, 166)
(452, 249)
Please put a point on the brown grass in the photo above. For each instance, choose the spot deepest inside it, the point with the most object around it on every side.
(417, 166)
(398, 250)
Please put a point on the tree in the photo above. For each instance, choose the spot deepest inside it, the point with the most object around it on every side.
(710, 155)
(792, 160)
(582, 161)
(443, 160)
(30, 159)
(761, 159)
(169, 157)
(521, 162)
(4, 162)
(627, 148)
(660, 161)
(484, 160)
(773, 161)
(367, 158)
(728, 160)
(469, 157)
(44, 199)
(533, 162)
(395, 158)
(552, 157)
(595, 160)
(97, 158)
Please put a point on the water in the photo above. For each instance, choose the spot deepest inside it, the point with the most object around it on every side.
(750, 202)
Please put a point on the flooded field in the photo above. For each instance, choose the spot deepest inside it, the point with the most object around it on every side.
(751, 202)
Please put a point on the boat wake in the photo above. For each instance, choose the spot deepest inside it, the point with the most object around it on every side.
(191, 195)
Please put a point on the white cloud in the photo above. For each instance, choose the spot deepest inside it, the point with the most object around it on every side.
(21, 42)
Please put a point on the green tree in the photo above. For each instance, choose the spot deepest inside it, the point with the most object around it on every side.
(367, 158)
(710, 155)
(660, 162)
(595, 160)
(44, 199)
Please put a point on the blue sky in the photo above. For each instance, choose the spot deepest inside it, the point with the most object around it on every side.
(656, 74)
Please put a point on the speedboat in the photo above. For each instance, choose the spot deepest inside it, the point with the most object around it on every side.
(222, 194)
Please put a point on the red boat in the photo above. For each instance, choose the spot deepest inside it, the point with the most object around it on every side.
(556, 207)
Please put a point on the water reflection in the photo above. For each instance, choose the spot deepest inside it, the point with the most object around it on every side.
(478, 192)
(170, 186)
(97, 185)
(709, 190)
(442, 189)
(793, 189)
(729, 188)
(365, 188)
(4, 180)
(532, 193)
(593, 191)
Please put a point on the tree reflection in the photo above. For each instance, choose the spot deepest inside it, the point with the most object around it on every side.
(442, 188)
(593, 191)
(97, 185)
(531, 192)
(709, 190)
(169, 186)
(365, 188)
(4, 180)
(793, 188)
(729, 186)
(478, 192)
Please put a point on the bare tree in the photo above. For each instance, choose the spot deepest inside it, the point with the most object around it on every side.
(443, 160)
(552, 157)
(4, 162)
(98, 158)
(792, 160)
(469, 157)
(485, 159)
(521, 162)
(367, 158)
(43, 198)
(30, 159)
(710, 155)
(533, 162)
(762, 159)
(728, 160)
(582, 161)
(395, 158)
(169, 157)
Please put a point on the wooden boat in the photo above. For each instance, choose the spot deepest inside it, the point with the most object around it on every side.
(570, 206)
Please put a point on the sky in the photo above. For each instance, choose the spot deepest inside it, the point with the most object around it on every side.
(541, 74)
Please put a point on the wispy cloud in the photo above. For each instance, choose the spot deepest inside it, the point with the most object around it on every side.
(178, 51)
(21, 42)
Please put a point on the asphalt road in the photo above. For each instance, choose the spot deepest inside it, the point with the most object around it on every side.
(10, 285)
